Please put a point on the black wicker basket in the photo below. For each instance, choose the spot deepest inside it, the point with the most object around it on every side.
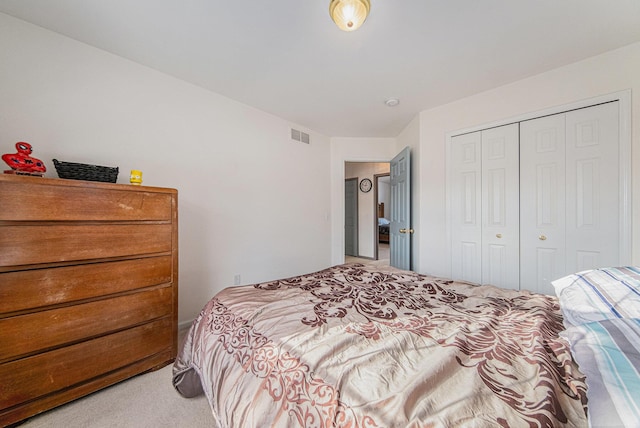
(81, 171)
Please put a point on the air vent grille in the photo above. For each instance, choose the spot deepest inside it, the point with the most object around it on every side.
(303, 137)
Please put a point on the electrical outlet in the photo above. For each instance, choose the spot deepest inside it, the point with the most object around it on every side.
(236, 280)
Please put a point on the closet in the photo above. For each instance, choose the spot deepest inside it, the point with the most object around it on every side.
(535, 200)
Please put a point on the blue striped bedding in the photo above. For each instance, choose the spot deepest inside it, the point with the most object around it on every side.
(599, 294)
(601, 308)
(608, 354)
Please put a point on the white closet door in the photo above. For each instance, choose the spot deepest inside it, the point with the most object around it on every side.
(593, 204)
(500, 207)
(542, 206)
(466, 225)
(532, 206)
(569, 184)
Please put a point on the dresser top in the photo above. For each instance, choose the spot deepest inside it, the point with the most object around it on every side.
(9, 178)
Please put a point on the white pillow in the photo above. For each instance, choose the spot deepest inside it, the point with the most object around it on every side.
(599, 294)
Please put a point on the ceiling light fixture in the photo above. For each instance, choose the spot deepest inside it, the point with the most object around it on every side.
(349, 14)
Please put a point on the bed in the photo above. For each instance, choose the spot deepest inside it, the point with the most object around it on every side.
(383, 230)
(357, 346)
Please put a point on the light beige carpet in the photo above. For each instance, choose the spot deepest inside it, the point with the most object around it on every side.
(145, 401)
(383, 257)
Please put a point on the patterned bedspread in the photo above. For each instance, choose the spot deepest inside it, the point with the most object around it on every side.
(350, 346)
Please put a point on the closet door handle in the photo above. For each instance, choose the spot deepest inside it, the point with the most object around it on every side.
(498, 235)
(542, 238)
(406, 230)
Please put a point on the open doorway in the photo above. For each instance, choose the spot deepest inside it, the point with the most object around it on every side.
(370, 191)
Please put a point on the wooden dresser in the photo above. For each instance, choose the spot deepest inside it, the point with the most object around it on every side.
(88, 288)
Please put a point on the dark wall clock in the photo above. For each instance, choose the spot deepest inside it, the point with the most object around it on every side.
(365, 185)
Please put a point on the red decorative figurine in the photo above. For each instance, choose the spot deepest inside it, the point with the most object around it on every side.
(23, 162)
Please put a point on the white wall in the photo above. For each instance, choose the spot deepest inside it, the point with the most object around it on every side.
(351, 150)
(367, 210)
(384, 194)
(611, 72)
(251, 201)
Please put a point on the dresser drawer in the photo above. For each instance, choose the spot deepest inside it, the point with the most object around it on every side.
(30, 333)
(30, 289)
(44, 200)
(88, 288)
(32, 377)
(38, 244)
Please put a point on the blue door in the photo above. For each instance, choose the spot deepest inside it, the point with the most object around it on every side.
(400, 228)
(351, 217)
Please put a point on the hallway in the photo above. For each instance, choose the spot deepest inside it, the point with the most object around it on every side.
(383, 257)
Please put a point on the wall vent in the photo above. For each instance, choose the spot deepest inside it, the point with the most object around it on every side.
(303, 137)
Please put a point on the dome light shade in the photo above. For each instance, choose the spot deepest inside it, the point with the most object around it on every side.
(349, 14)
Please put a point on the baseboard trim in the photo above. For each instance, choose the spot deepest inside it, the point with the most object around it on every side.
(184, 324)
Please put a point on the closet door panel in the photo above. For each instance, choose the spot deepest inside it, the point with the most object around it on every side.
(466, 207)
(542, 206)
(500, 206)
(550, 196)
(593, 190)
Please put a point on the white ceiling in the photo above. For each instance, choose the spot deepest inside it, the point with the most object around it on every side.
(286, 57)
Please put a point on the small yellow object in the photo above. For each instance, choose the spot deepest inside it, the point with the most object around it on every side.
(136, 177)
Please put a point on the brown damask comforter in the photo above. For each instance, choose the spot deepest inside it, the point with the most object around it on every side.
(350, 346)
